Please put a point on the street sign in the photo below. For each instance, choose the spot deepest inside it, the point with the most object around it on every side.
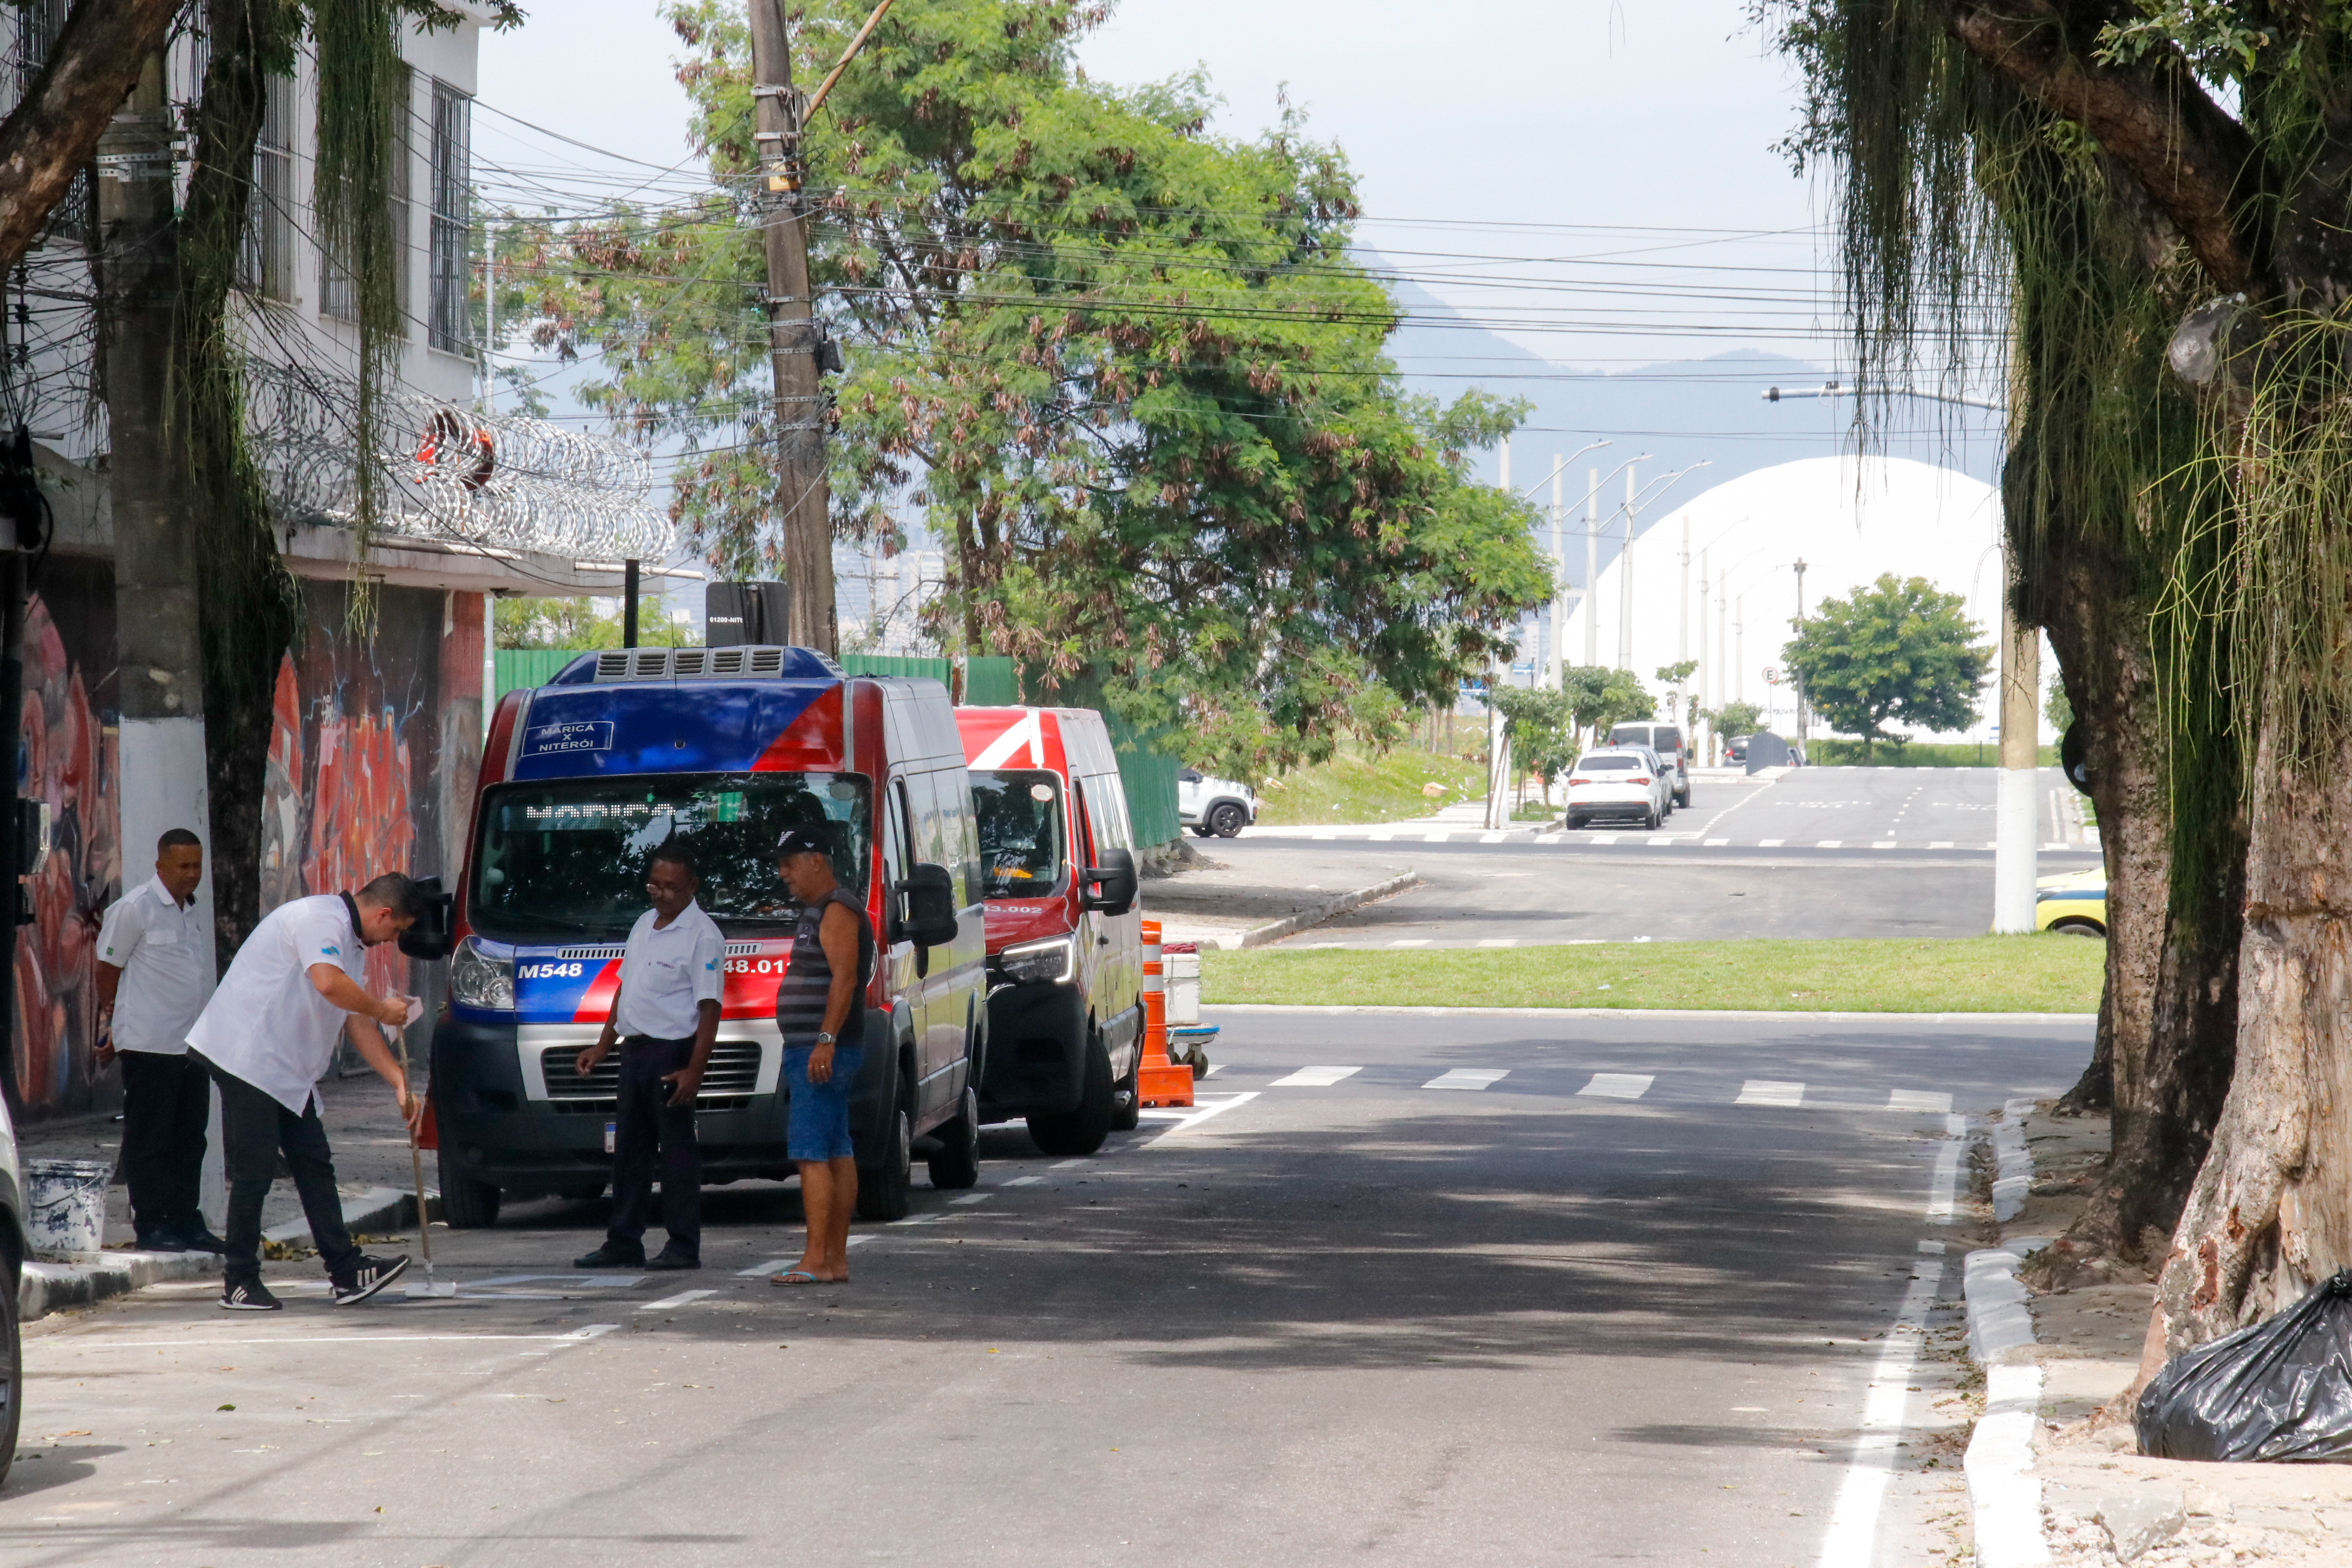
(1771, 674)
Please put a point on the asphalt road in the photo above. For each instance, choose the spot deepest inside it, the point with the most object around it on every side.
(1823, 852)
(1625, 1303)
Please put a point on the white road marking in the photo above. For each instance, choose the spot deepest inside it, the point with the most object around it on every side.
(1946, 1184)
(773, 1265)
(1919, 1099)
(1883, 844)
(1203, 1114)
(1769, 843)
(1941, 844)
(1602, 839)
(1831, 844)
(1490, 838)
(1498, 942)
(1663, 838)
(1713, 843)
(1619, 1085)
(1854, 1521)
(1549, 837)
(1765, 1091)
(1025, 1181)
(1467, 1077)
(1314, 1078)
(1410, 941)
(681, 1299)
(972, 1198)
(922, 1219)
(1069, 1165)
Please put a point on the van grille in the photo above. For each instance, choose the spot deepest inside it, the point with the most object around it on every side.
(734, 1070)
(690, 663)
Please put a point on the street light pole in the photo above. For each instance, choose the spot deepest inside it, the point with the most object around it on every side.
(1797, 681)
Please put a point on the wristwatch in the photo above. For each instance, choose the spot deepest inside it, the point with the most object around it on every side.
(823, 1039)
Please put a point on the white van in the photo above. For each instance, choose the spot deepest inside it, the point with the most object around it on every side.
(1666, 740)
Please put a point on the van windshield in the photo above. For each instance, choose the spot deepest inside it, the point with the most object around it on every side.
(568, 857)
(1020, 836)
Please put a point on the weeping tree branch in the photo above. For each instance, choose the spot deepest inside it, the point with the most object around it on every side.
(50, 137)
(2197, 164)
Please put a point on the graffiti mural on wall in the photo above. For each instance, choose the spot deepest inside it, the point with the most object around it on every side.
(67, 736)
(371, 731)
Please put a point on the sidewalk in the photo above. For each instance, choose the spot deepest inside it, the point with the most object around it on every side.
(1282, 891)
(372, 1169)
(2101, 1502)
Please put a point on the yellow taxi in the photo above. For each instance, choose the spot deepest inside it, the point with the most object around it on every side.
(2074, 903)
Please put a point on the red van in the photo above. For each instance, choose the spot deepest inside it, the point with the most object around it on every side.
(1065, 937)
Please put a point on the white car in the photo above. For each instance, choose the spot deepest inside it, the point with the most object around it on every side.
(1620, 781)
(1666, 740)
(1212, 805)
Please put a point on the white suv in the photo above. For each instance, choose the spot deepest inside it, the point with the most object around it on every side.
(1209, 806)
(1620, 781)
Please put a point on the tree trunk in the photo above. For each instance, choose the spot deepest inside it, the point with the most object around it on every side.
(2166, 1020)
(2270, 1213)
(48, 140)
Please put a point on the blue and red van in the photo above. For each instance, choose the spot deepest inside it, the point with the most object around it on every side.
(582, 779)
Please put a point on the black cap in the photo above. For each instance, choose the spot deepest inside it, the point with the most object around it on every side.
(800, 841)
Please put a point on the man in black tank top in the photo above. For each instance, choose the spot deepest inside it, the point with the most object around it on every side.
(821, 1013)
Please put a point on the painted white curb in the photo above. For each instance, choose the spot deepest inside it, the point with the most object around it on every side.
(2004, 1494)
(2087, 1019)
(2013, 1167)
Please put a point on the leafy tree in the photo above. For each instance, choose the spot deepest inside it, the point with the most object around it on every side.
(1673, 675)
(1733, 718)
(1125, 371)
(1541, 724)
(1896, 652)
(575, 624)
(1600, 696)
(2055, 706)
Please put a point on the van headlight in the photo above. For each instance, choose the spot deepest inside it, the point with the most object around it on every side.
(481, 979)
(1051, 960)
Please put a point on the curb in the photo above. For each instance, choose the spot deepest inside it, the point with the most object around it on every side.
(1733, 1013)
(2004, 1494)
(87, 1278)
(1314, 914)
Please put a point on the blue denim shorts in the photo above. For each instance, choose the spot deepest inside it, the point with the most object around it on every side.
(817, 1127)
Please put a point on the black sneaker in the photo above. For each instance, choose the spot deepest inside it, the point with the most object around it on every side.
(367, 1277)
(197, 1238)
(249, 1296)
(605, 1258)
(670, 1258)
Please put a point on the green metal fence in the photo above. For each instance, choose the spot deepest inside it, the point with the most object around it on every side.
(1148, 776)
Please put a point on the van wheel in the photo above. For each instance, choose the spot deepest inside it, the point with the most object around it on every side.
(1127, 1095)
(884, 1191)
(12, 1372)
(1225, 819)
(467, 1204)
(957, 1164)
(1682, 800)
(1079, 1131)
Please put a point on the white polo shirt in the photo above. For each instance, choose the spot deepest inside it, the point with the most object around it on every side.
(666, 970)
(166, 957)
(267, 1023)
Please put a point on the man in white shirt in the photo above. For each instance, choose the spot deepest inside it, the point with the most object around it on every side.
(666, 1017)
(269, 1036)
(155, 971)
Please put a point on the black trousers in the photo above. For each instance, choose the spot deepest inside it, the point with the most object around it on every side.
(166, 1101)
(650, 1129)
(254, 1132)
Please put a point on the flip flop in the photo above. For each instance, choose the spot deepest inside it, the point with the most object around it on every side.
(794, 1277)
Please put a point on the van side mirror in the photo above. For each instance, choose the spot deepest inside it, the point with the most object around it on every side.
(930, 918)
(430, 937)
(1111, 887)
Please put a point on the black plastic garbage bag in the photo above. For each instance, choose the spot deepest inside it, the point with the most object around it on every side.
(2279, 1390)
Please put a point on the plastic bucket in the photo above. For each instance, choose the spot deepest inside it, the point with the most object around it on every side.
(68, 1202)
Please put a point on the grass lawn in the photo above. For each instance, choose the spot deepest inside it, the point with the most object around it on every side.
(2042, 974)
(1356, 787)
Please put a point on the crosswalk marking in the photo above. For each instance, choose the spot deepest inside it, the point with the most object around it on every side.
(681, 1299)
(773, 1265)
(1410, 941)
(1831, 844)
(1025, 1181)
(1765, 1091)
(1467, 1077)
(1919, 1099)
(1314, 1078)
(1769, 843)
(1662, 839)
(1882, 844)
(1941, 844)
(1619, 1085)
(1713, 842)
(1602, 839)
(1498, 942)
(972, 1198)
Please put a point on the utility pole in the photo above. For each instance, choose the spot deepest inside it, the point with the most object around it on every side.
(1498, 745)
(795, 337)
(1625, 582)
(158, 644)
(1706, 665)
(1796, 682)
(1591, 567)
(1558, 650)
(2017, 804)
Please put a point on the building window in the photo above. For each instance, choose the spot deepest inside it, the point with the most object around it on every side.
(265, 257)
(453, 178)
(335, 297)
